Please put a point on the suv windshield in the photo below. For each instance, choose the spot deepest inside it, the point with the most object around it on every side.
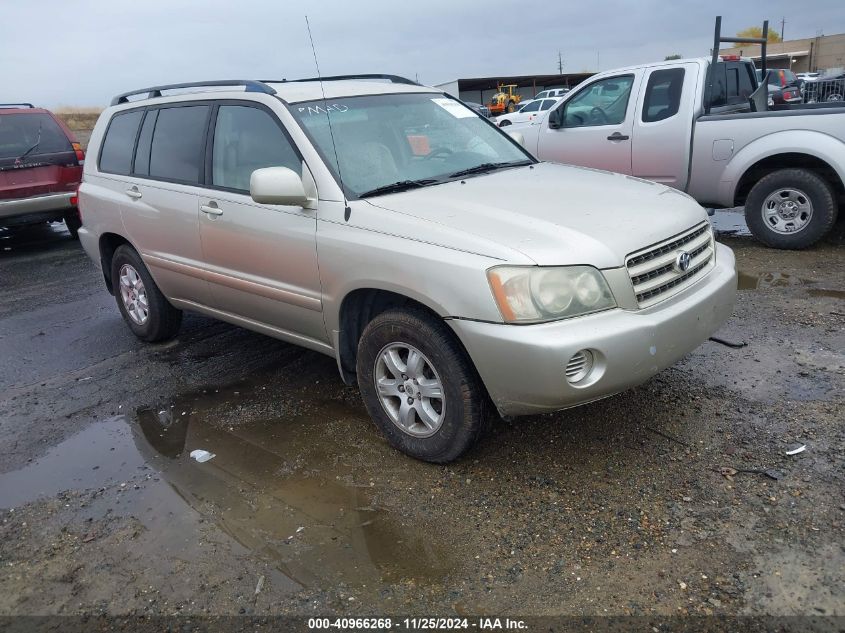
(406, 140)
(36, 133)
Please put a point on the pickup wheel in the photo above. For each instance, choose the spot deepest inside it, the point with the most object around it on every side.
(791, 209)
(419, 386)
(147, 312)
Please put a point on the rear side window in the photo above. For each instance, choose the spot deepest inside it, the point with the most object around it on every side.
(116, 155)
(532, 107)
(663, 94)
(246, 139)
(746, 84)
(178, 142)
(36, 133)
(547, 104)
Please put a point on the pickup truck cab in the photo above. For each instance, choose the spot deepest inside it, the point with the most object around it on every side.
(661, 122)
(391, 227)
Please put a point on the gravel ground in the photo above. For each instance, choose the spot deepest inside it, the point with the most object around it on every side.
(676, 497)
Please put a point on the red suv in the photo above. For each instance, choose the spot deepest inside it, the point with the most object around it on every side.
(40, 168)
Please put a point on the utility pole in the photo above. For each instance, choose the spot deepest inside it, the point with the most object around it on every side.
(782, 27)
(598, 65)
(559, 63)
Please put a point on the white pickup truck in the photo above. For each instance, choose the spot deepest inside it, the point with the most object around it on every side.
(787, 165)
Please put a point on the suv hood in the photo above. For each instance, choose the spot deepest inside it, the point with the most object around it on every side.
(555, 214)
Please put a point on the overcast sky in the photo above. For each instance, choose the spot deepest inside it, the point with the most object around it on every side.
(82, 52)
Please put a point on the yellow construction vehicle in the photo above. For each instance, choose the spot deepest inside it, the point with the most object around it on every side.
(505, 100)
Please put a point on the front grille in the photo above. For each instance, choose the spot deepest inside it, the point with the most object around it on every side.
(653, 272)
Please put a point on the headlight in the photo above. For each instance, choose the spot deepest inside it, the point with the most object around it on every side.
(532, 294)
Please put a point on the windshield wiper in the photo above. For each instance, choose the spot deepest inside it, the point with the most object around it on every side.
(31, 149)
(485, 167)
(396, 187)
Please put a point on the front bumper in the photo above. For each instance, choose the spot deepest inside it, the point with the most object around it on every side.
(523, 366)
(36, 208)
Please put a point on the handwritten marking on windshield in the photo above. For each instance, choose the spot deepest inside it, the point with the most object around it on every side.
(316, 109)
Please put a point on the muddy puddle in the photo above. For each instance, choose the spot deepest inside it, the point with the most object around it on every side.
(761, 281)
(284, 489)
(765, 280)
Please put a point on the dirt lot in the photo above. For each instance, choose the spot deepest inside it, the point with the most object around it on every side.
(674, 498)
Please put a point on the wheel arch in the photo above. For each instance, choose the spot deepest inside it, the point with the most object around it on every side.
(360, 306)
(108, 244)
(816, 151)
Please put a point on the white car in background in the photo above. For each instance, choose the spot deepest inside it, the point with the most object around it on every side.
(526, 112)
(553, 92)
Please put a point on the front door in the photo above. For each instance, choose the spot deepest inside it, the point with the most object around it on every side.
(594, 126)
(261, 260)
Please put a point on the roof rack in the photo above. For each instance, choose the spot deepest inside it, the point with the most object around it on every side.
(396, 79)
(250, 85)
(16, 105)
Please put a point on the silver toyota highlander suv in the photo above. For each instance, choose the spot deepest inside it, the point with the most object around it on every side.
(388, 225)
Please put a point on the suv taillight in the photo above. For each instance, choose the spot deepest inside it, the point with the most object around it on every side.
(74, 201)
(80, 155)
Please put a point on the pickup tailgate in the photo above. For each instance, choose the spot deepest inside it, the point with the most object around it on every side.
(37, 179)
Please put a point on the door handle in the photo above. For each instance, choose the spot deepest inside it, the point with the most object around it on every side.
(208, 209)
(133, 193)
(616, 136)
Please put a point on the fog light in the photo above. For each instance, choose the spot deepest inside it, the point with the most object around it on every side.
(579, 366)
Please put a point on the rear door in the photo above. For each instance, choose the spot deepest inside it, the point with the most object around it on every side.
(36, 156)
(594, 125)
(663, 124)
(160, 197)
(262, 259)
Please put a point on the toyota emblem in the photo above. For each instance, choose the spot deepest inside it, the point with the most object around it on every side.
(682, 261)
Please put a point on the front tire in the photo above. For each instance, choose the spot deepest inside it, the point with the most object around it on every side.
(144, 308)
(790, 209)
(419, 386)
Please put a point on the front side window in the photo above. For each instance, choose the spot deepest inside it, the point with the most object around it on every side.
(407, 140)
(246, 139)
(663, 94)
(178, 142)
(602, 103)
(116, 154)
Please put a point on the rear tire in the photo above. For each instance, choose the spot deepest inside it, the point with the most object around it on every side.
(72, 222)
(433, 429)
(790, 209)
(144, 308)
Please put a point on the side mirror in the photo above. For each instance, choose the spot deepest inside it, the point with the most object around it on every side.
(518, 137)
(278, 185)
(555, 117)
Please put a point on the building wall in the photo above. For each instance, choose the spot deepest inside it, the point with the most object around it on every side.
(826, 51)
